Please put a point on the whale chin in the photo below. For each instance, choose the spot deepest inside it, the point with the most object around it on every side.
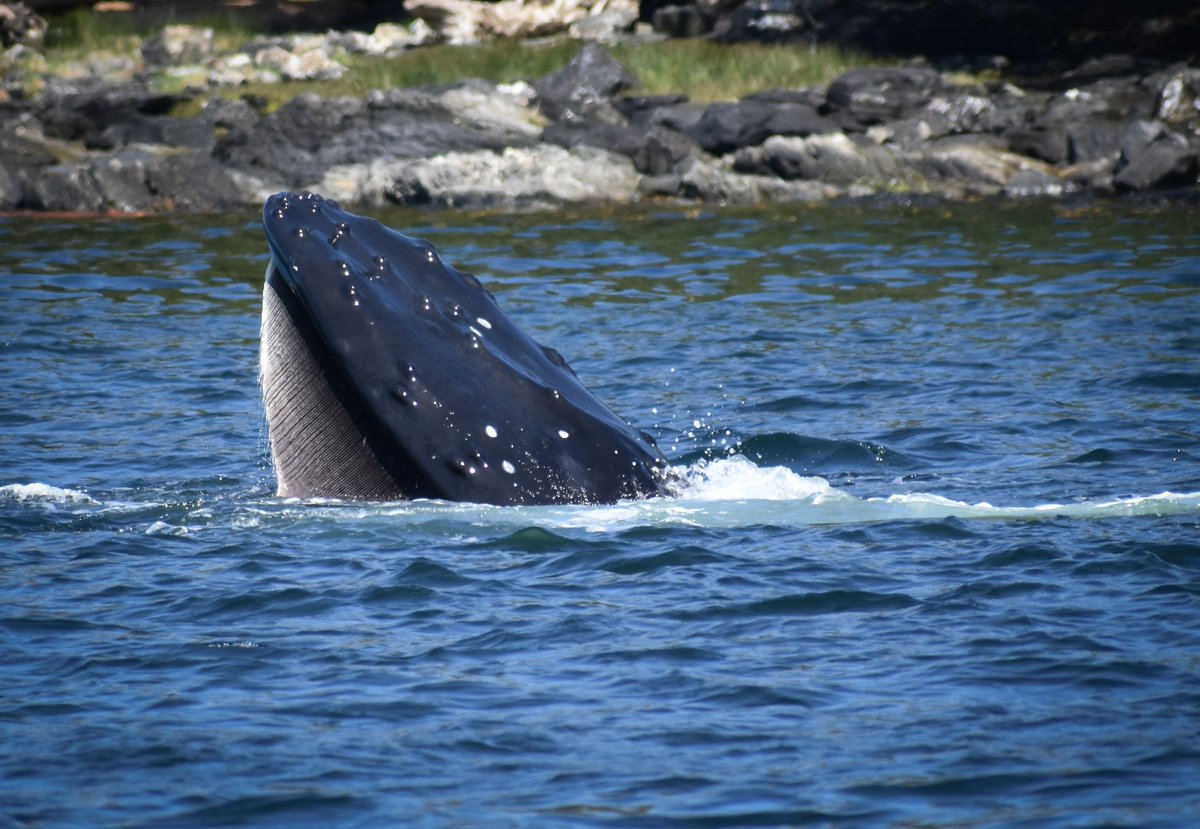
(387, 374)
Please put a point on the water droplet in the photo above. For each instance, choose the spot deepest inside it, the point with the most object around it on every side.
(490, 430)
(483, 322)
(508, 467)
(564, 434)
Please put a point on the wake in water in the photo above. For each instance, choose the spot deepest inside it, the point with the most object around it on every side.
(728, 492)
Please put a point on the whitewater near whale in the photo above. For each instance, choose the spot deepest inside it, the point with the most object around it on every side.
(388, 374)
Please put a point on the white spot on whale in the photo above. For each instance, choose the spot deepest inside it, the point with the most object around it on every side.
(490, 430)
(483, 322)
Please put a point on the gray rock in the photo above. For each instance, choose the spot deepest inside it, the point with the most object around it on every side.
(1092, 175)
(873, 96)
(1050, 144)
(833, 158)
(1165, 160)
(98, 114)
(605, 27)
(680, 116)
(960, 110)
(174, 45)
(710, 182)
(1094, 140)
(541, 176)
(583, 87)
(310, 134)
(764, 21)
(814, 98)
(20, 25)
(726, 127)
(24, 145)
(638, 108)
(1138, 135)
(654, 151)
(657, 186)
(1013, 109)
(977, 165)
(122, 179)
(12, 192)
(223, 113)
(194, 182)
(686, 20)
(62, 187)
(1177, 95)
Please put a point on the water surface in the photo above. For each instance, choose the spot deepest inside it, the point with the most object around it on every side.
(936, 560)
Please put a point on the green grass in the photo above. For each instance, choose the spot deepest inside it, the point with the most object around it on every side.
(701, 70)
(707, 71)
(82, 32)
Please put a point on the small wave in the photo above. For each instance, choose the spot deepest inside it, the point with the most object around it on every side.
(44, 493)
(721, 493)
(928, 505)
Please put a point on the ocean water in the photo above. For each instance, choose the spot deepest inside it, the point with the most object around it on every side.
(935, 560)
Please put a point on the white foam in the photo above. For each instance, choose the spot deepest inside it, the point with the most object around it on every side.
(45, 493)
(737, 478)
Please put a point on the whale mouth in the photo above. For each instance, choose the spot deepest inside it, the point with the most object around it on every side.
(388, 374)
(324, 443)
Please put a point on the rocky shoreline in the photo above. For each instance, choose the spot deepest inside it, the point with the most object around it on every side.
(105, 141)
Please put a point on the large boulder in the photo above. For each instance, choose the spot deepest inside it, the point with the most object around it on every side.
(311, 133)
(61, 187)
(583, 88)
(1153, 156)
(123, 179)
(1177, 96)
(539, 176)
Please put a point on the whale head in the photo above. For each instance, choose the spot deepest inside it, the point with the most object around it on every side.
(387, 373)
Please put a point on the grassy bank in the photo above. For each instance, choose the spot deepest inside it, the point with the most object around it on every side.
(699, 69)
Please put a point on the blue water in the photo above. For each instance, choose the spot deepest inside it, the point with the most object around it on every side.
(935, 560)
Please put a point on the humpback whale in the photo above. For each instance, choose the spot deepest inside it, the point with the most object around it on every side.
(388, 374)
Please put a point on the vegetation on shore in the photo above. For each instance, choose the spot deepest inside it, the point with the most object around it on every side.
(700, 69)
